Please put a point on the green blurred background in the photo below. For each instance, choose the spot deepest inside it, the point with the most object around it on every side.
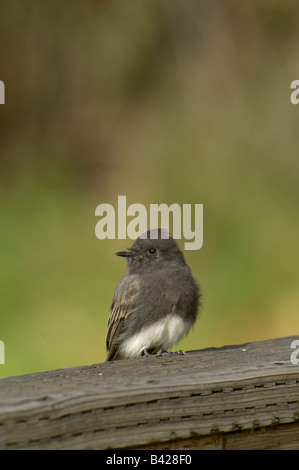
(161, 101)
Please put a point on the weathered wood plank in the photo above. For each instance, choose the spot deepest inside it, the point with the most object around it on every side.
(280, 437)
(215, 398)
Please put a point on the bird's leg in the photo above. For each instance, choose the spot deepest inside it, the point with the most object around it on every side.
(147, 353)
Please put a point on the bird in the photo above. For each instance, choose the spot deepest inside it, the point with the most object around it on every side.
(156, 302)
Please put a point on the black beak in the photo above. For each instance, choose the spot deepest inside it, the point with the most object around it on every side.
(126, 253)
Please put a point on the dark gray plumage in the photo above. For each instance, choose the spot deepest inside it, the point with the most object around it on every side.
(155, 304)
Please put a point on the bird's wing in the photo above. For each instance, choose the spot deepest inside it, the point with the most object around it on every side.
(123, 305)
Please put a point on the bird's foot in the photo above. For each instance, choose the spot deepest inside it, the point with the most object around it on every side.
(146, 353)
(174, 353)
(171, 353)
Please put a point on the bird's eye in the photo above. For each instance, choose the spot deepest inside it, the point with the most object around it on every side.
(152, 251)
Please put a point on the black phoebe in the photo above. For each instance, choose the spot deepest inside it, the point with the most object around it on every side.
(155, 304)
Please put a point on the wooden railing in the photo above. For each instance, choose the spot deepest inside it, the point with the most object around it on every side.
(235, 397)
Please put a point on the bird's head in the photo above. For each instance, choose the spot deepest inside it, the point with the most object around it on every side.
(152, 249)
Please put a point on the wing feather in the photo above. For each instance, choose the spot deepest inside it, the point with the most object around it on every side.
(123, 305)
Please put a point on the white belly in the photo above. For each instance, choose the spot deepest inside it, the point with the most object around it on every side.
(161, 335)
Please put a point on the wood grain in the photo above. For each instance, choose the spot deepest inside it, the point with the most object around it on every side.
(234, 397)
